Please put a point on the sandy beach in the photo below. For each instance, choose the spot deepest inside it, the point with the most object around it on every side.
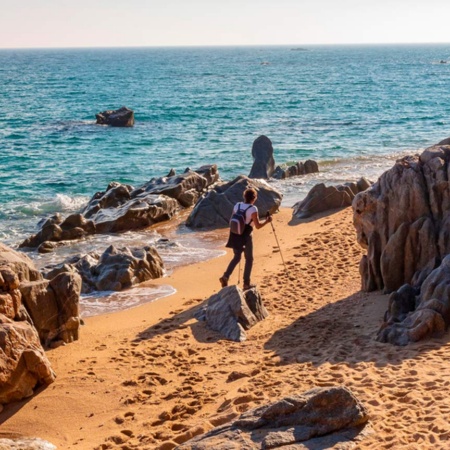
(153, 376)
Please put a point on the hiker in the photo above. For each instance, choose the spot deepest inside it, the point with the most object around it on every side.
(243, 243)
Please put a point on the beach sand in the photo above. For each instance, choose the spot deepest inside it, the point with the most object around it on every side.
(153, 376)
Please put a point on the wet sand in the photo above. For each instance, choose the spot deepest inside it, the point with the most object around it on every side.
(153, 376)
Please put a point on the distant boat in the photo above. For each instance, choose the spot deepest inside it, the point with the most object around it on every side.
(299, 49)
(443, 61)
(265, 63)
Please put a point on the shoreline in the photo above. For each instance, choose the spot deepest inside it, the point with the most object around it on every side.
(151, 377)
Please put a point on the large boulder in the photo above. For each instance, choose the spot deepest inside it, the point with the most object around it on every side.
(403, 221)
(215, 208)
(23, 365)
(232, 311)
(323, 198)
(122, 117)
(52, 306)
(122, 208)
(411, 318)
(115, 269)
(263, 162)
(297, 421)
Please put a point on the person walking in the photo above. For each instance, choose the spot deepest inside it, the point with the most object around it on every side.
(243, 243)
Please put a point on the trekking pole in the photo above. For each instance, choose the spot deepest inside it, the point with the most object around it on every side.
(278, 244)
(239, 273)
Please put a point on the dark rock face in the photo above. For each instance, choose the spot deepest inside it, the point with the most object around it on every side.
(323, 198)
(122, 208)
(403, 221)
(232, 311)
(405, 323)
(263, 162)
(24, 364)
(215, 208)
(122, 117)
(115, 269)
(299, 168)
(289, 422)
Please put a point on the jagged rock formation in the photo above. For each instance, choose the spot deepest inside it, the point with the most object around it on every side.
(51, 306)
(412, 317)
(122, 208)
(122, 117)
(115, 269)
(309, 166)
(323, 198)
(215, 208)
(292, 422)
(23, 364)
(263, 162)
(232, 311)
(403, 221)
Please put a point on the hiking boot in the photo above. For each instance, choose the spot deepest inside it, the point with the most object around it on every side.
(246, 287)
(223, 281)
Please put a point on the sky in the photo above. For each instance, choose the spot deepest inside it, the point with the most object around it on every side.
(114, 23)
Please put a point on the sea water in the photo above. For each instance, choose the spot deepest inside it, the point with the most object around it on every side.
(353, 109)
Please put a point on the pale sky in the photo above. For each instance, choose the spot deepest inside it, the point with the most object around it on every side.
(114, 23)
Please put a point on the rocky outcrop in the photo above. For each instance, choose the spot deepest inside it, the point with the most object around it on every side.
(51, 306)
(403, 221)
(122, 117)
(215, 208)
(297, 420)
(115, 269)
(299, 168)
(323, 198)
(263, 162)
(23, 365)
(232, 311)
(412, 317)
(122, 208)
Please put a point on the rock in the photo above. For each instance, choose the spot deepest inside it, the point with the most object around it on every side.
(263, 162)
(231, 311)
(403, 221)
(432, 315)
(290, 421)
(24, 364)
(117, 269)
(299, 168)
(123, 208)
(215, 208)
(122, 117)
(401, 303)
(323, 198)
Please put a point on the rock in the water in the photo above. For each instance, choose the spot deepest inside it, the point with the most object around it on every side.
(263, 162)
(122, 117)
(215, 208)
(232, 311)
(299, 168)
(117, 269)
(123, 208)
(431, 317)
(403, 221)
(323, 198)
(290, 421)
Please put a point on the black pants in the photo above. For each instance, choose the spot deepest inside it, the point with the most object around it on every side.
(248, 253)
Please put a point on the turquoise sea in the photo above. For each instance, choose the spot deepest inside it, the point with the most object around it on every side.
(354, 109)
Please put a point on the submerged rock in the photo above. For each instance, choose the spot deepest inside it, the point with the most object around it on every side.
(309, 166)
(122, 117)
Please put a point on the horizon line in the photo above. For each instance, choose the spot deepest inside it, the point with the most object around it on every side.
(350, 44)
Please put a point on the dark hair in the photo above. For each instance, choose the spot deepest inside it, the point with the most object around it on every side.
(249, 195)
